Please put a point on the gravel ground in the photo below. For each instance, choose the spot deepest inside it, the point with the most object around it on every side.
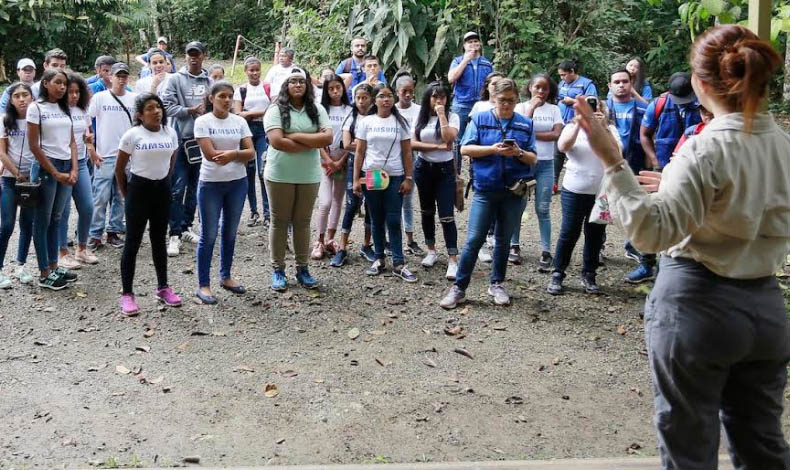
(269, 378)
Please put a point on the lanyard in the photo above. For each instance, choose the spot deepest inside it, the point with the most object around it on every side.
(502, 129)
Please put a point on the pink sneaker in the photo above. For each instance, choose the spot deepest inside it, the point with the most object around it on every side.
(129, 305)
(169, 297)
(318, 251)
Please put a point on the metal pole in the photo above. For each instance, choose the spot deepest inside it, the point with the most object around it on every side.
(235, 54)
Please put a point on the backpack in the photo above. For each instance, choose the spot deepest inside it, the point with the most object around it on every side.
(243, 92)
(661, 101)
(347, 65)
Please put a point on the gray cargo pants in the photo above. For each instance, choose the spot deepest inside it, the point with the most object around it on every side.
(718, 351)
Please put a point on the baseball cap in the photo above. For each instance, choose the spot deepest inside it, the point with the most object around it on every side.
(471, 35)
(119, 67)
(161, 39)
(25, 63)
(196, 45)
(680, 89)
(104, 60)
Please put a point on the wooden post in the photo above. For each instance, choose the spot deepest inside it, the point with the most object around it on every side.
(760, 18)
(235, 54)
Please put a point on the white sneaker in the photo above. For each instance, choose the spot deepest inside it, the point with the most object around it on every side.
(484, 255)
(24, 277)
(68, 262)
(173, 248)
(190, 236)
(453, 297)
(452, 270)
(5, 281)
(86, 256)
(430, 259)
(498, 292)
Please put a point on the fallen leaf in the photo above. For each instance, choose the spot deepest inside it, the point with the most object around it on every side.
(500, 328)
(192, 459)
(319, 381)
(353, 333)
(454, 331)
(438, 407)
(199, 333)
(427, 332)
(279, 441)
(243, 369)
(464, 352)
(464, 310)
(271, 391)
(118, 394)
(122, 370)
(428, 362)
(167, 389)
(81, 295)
(289, 373)
(378, 361)
(378, 332)
(143, 348)
(137, 370)
(621, 331)
(40, 343)
(556, 361)
(157, 380)
(514, 400)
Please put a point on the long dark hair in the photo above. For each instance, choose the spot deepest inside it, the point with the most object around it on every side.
(433, 89)
(85, 94)
(398, 116)
(326, 101)
(638, 82)
(355, 111)
(216, 87)
(553, 90)
(284, 100)
(139, 104)
(11, 114)
(43, 94)
(484, 94)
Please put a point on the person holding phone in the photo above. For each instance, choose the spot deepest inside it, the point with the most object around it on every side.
(501, 144)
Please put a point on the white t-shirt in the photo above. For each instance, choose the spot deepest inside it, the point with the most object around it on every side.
(383, 137)
(428, 135)
(144, 85)
(347, 127)
(18, 144)
(543, 120)
(583, 170)
(337, 114)
(225, 134)
(149, 152)
(256, 99)
(54, 130)
(410, 113)
(81, 124)
(275, 77)
(111, 120)
(481, 106)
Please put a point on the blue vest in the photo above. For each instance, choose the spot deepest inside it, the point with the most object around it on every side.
(633, 152)
(582, 86)
(496, 172)
(674, 119)
(468, 87)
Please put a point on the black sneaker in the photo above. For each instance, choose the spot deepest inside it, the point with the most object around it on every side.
(52, 282)
(555, 284)
(67, 275)
(415, 249)
(632, 253)
(114, 240)
(544, 265)
(588, 281)
(255, 219)
(514, 257)
(94, 244)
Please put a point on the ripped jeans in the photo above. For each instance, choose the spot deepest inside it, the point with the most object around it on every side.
(436, 187)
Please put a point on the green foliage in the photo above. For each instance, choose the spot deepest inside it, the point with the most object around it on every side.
(317, 32)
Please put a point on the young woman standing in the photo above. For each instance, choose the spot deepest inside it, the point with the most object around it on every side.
(149, 148)
(363, 106)
(16, 158)
(404, 86)
(384, 143)
(501, 144)
(250, 101)
(334, 99)
(82, 192)
(435, 131)
(547, 121)
(296, 128)
(49, 131)
(225, 140)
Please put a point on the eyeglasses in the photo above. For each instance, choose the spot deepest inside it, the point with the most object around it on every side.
(297, 81)
(382, 96)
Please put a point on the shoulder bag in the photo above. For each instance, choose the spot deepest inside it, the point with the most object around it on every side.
(378, 179)
(27, 191)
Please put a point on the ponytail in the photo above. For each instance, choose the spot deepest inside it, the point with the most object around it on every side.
(738, 67)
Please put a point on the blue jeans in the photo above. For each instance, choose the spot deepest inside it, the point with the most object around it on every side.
(53, 197)
(105, 191)
(8, 219)
(488, 207)
(215, 199)
(184, 193)
(255, 169)
(462, 110)
(436, 185)
(576, 210)
(82, 192)
(543, 182)
(385, 208)
(353, 202)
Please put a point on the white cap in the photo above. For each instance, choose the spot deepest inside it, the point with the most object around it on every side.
(25, 63)
(297, 72)
(161, 39)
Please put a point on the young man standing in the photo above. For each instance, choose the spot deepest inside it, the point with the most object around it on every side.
(54, 59)
(467, 75)
(352, 69)
(183, 98)
(26, 72)
(373, 73)
(101, 81)
(113, 109)
(145, 59)
(278, 73)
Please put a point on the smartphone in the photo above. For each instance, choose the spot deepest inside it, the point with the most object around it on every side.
(509, 142)
(593, 102)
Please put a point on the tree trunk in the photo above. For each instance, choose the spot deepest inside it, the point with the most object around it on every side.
(786, 94)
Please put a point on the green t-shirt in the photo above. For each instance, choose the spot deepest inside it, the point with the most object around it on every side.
(295, 168)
